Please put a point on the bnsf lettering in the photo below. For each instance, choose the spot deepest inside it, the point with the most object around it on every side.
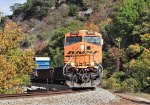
(82, 52)
(71, 52)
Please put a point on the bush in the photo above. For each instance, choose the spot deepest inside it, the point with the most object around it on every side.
(29, 39)
(131, 85)
(73, 10)
(110, 83)
(120, 82)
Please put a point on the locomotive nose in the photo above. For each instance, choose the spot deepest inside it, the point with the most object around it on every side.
(88, 47)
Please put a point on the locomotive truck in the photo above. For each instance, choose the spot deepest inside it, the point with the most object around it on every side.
(82, 61)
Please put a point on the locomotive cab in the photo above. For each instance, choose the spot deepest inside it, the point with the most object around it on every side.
(83, 58)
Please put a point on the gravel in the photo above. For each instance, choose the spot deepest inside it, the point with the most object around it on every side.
(96, 97)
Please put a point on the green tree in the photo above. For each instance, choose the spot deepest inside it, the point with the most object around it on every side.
(73, 10)
(128, 14)
(125, 20)
(131, 24)
(55, 47)
(33, 8)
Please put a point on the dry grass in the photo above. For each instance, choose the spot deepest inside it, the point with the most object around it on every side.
(142, 95)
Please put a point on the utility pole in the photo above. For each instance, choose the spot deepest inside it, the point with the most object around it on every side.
(1, 15)
(118, 55)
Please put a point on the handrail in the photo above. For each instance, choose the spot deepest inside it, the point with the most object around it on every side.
(101, 69)
(66, 65)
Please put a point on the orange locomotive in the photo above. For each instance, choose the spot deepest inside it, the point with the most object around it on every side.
(83, 58)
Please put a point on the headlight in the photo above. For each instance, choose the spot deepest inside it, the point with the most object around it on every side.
(92, 63)
(72, 63)
(82, 46)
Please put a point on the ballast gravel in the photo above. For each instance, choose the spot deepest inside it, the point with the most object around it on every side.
(96, 97)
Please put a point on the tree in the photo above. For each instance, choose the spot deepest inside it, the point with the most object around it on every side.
(73, 10)
(55, 46)
(125, 20)
(128, 14)
(18, 8)
(15, 6)
(132, 24)
(117, 54)
(32, 8)
(40, 8)
(16, 64)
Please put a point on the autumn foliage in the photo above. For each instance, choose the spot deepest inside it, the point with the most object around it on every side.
(91, 26)
(15, 64)
(132, 25)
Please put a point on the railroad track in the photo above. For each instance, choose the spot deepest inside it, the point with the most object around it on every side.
(32, 94)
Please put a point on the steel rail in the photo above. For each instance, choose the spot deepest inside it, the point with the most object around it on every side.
(30, 94)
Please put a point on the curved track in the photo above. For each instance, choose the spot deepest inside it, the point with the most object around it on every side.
(32, 94)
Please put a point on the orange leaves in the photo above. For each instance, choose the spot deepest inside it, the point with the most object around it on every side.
(4, 65)
(13, 69)
(15, 64)
(7, 73)
(114, 52)
(92, 26)
(27, 62)
(10, 37)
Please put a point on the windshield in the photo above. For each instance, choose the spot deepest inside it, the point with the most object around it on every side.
(73, 39)
(92, 39)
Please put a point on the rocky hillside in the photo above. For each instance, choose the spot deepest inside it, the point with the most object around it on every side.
(63, 14)
(40, 19)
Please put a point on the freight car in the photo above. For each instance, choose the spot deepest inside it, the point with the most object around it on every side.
(44, 73)
(82, 61)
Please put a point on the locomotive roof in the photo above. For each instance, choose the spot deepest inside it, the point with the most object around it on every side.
(83, 33)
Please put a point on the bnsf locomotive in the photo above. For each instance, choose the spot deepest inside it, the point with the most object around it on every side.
(83, 58)
(82, 61)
